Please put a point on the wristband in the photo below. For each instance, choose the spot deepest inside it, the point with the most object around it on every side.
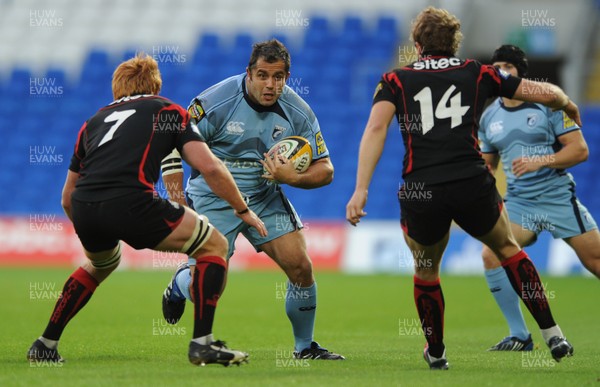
(242, 212)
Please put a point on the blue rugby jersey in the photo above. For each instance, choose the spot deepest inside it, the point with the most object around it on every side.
(239, 131)
(528, 130)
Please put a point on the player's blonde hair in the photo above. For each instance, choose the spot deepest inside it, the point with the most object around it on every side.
(436, 29)
(138, 75)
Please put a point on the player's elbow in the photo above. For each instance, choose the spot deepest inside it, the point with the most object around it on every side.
(329, 176)
(583, 152)
(213, 169)
(65, 203)
(327, 173)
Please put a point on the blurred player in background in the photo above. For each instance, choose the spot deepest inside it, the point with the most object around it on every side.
(536, 145)
(109, 197)
(240, 118)
(438, 101)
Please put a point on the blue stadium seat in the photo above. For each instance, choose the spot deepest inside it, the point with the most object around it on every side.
(282, 38)
(239, 53)
(208, 50)
(317, 34)
(97, 68)
(129, 53)
(387, 30)
(19, 83)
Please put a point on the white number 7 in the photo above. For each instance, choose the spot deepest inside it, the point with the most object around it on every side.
(120, 117)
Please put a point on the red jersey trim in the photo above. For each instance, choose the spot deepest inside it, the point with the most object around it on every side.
(141, 174)
(185, 119)
(81, 130)
(485, 69)
(392, 77)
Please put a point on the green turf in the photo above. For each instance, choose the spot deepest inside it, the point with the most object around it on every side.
(119, 339)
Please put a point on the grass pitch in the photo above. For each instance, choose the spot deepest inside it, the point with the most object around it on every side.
(120, 338)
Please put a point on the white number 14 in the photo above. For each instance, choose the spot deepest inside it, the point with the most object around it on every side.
(455, 111)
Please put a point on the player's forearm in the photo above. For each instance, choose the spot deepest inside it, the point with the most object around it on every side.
(567, 157)
(559, 99)
(215, 173)
(542, 92)
(67, 191)
(319, 174)
(371, 147)
(174, 186)
(220, 181)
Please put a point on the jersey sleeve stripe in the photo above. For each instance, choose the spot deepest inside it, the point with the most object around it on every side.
(393, 77)
(79, 149)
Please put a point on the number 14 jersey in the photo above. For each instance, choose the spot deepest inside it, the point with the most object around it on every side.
(438, 101)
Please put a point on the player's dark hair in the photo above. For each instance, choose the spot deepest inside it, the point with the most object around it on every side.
(271, 51)
(437, 30)
(513, 55)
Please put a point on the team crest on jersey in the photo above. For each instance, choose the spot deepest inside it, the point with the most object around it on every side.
(235, 127)
(196, 111)
(532, 120)
(277, 132)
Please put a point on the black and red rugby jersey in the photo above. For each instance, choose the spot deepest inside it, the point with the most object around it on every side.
(119, 149)
(439, 100)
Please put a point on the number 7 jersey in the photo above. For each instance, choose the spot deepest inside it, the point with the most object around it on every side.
(438, 102)
(119, 150)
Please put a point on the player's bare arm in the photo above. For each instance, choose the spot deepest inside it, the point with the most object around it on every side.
(68, 189)
(491, 160)
(220, 181)
(371, 147)
(574, 151)
(174, 185)
(547, 94)
(320, 172)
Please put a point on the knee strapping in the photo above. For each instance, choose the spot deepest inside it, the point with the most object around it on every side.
(110, 261)
(202, 231)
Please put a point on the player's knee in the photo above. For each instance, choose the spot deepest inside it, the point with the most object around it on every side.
(591, 261)
(205, 239)
(107, 260)
(490, 260)
(221, 244)
(300, 271)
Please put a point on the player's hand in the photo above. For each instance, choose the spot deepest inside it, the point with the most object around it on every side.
(354, 208)
(253, 220)
(525, 165)
(279, 169)
(572, 111)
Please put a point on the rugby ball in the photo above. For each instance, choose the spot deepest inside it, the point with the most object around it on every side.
(297, 149)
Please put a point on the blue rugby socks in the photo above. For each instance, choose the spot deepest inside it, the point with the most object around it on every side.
(508, 301)
(301, 309)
